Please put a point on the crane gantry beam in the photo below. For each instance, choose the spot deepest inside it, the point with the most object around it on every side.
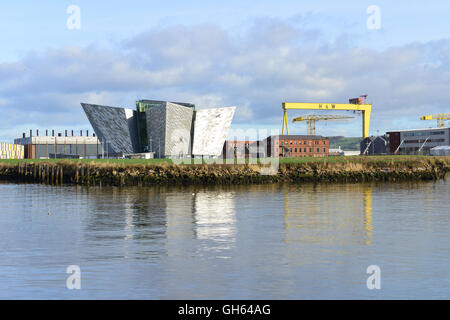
(440, 117)
(365, 108)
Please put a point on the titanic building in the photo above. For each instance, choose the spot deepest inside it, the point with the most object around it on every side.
(169, 129)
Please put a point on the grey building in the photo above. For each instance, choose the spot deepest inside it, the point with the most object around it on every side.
(375, 145)
(116, 128)
(169, 129)
(418, 141)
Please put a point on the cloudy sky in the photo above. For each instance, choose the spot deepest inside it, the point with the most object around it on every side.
(250, 54)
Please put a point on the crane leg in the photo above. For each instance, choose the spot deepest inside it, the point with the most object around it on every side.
(285, 123)
(366, 123)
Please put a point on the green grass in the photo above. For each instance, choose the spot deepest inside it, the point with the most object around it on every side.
(338, 159)
(116, 161)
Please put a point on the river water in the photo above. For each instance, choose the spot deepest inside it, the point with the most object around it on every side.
(310, 241)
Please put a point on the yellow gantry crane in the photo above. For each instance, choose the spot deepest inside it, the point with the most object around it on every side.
(440, 117)
(312, 118)
(356, 104)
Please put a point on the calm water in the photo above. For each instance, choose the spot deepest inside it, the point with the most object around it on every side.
(256, 242)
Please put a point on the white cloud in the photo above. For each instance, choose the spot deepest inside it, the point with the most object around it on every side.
(270, 62)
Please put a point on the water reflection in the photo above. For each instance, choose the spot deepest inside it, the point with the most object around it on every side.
(215, 218)
(243, 242)
(125, 217)
(172, 215)
(328, 214)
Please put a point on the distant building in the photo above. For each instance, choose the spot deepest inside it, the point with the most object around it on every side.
(336, 152)
(349, 153)
(168, 129)
(375, 145)
(50, 147)
(417, 141)
(236, 149)
(296, 146)
(440, 151)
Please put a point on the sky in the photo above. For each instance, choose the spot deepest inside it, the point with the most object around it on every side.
(250, 54)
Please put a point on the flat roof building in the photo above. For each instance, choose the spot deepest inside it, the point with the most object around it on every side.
(417, 141)
(50, 147)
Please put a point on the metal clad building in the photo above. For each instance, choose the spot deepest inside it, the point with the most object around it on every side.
(211, 129)
(408, 142)
(168, 129)
(115, 127)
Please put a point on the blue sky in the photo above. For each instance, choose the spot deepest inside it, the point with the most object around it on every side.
(252, 54)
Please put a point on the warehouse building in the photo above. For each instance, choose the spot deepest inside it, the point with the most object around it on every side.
(59, 146)
(417, 141)
(166, 129)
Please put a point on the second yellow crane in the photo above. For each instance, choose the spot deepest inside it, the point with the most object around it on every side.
(312, 118)
(440, 117)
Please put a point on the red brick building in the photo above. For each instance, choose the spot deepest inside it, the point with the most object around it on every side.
(297, 146)
(280, 145)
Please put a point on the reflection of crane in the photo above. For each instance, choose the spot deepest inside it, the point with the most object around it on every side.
(304, 220)
(312, 118)
(357, 104)
(440, 117)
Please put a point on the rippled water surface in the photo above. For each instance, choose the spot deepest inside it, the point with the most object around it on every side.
(243, 242)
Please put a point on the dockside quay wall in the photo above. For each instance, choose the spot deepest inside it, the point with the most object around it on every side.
(123, 174)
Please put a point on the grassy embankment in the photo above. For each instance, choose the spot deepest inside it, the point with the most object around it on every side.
(163, 171)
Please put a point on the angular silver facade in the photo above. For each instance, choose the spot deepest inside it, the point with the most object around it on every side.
(169, 128)
(211, 129)
(115, 127)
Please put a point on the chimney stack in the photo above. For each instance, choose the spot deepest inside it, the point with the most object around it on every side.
(46, 132)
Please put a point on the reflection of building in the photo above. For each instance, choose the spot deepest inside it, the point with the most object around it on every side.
(215, 216)
(169, 129)
(418, 140)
